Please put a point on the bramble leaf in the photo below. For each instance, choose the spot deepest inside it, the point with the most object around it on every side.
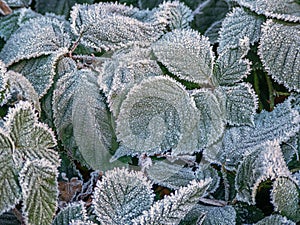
(38, 179)
(109, 27)
(18, 3)
(157, 115)
(39, 71)
(264, 162)
(237, 25)
(75, 211)
(212, 119)
(9, 186)
(173, 208)
(288, 10)
(241, 104)
(36, 37)
(197, 63)
(285, 198)
(279, 52)
(121, 195)
(275, 219)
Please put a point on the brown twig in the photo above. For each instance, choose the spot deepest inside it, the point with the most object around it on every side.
(4, 8)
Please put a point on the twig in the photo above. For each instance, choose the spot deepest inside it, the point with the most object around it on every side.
(4, 8)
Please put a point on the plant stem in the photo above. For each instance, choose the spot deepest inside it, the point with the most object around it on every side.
(271, 92)
(257, 90)
(18, 214)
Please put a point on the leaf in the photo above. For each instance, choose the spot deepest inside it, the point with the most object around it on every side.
(157, 115)
(79, 222)
(241, 104)
(109, 27)
(285, 198)
(11, 22)
(59, 7)
(173, 208)
(212, 119)
(39, 71)
(119, 75)
(39, 191)
(121, 195)
(172, 15)
(231, 67)
(18, 3)
(9, 218)
(197, 63)
(287, 10)
(75, 211)
(237, 25)
(3, 82)
(32, 139)
(92, 123)
(280, 124)
(9, 186)
(279, 53)
(36, 37)
(275, 219)
(21, 89)
(213, 32)
(264, 162)
(211, 215)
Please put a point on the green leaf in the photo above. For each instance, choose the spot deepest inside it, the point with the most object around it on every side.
(92, 123)
(3, 82)
(39, 191)
(59, 7)
(75, 211)
(212, 119)
(210, 215)
(32, 139)
(285, 198)
(173, 208)
(18, 3)
(241, 104)
(36, 37)
(157, 115)
(9, 186)
(288, 10)
(264, 162)
(107, 26)
(39, 71)
(239, 24)
(20, 88)
(9, 218)
(11, 22)
(121, 195)
(280, 124)
(197, 63)
(275, 219)
(279, 52)
(231, 67)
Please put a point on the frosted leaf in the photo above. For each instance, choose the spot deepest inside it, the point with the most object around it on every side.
(20, 88)
(237, 25)
(3, 82)
(264, 162)
(212, 119)
(9, 218)
(75, 211)
(241, 104)
(121, 195)
(172, 15)
(9, 186)
(36, 37)
(121, 73)
(157, 115)
(32, 139)
(210, 215)
(213, 32)
(291, 148)
(275, 219)
(231, 67)
(39, 71)
(109, 27)
(197, 64)
(11, 22)
(285, 198)
(288, 10)
(92, 123)
(59, 7)
(206, 171)
(80, 222)
(280, 124)
(173, 208)
(18, 3)
(279, 52)
(38, 179)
